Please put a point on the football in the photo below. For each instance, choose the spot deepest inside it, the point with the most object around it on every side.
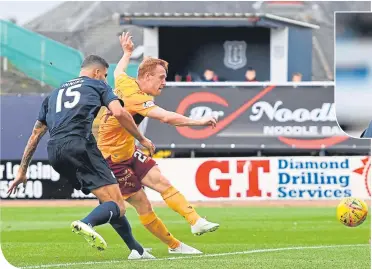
(352, 212)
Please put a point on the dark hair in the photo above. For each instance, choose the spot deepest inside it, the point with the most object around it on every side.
(297, 74)
(250, 69)
(94, 60)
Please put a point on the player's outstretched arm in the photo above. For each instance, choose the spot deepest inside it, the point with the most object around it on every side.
(37, 133)
(176, 119)
(126, 121)
(127, 46)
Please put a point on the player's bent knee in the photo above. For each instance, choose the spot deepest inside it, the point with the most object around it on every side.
(122, 211)
(164, 182)
(141, 203)
(143, 208)
(102, 194)
(121, 206)
(155, 180)
(112, 193)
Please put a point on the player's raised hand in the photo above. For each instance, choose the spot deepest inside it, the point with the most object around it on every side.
(126, 43)
(18, 180)
(208, 121)
(148, 145)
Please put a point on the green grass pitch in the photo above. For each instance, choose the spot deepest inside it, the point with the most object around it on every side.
(249, 237)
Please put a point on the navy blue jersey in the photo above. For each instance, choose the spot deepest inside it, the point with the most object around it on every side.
(72, 108)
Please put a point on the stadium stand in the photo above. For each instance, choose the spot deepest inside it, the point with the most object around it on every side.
(13, 80)
(98, 21)
(87, 34)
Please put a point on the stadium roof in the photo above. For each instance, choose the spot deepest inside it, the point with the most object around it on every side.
(65, 22)
(73, 16)
(210, 20)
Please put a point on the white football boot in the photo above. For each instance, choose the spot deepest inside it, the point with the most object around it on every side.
(89, 234)
(184, 249)
(203, 226)
(134, 255)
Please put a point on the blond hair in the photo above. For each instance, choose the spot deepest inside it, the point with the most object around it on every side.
(149, 64)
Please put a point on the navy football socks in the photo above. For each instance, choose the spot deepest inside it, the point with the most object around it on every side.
(122, 227)
(102, 214)
(110, 212)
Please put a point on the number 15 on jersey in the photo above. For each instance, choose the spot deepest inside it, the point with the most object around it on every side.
(70, 92)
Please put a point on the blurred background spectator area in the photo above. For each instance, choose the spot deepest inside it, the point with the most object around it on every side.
(83, 28)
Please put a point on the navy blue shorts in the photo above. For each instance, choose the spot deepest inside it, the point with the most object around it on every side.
(80, 162)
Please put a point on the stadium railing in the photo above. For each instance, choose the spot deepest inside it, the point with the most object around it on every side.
(42, 58)
(37, 56)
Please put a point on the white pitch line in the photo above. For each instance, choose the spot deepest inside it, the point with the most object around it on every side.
(193, 256)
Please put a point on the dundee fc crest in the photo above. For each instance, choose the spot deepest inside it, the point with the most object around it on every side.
(235, 54)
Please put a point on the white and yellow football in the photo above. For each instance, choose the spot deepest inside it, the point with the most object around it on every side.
(352, 211)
